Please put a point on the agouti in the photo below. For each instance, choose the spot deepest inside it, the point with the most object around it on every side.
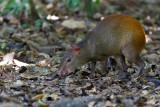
(116, 35)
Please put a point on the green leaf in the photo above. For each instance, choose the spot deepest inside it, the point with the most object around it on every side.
(16, 6)
(12, 5)
(89, 6)
(3, 45)
(71, 4)
(25, 1)
(11, 12)
(1, 1)
(38, 23)
(147, 86)
(74, 3)
(41, 103)
(68, 3)
(40, 10)
(24, 26)
(97, 2)
(20, 8)
(2, 52)
(4, 12)
(11, 28)
(56, 59)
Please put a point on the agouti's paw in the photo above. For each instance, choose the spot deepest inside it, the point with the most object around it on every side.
(91, 75)
(124, 76)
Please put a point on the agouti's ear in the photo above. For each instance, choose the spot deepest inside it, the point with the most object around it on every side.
(76, 49)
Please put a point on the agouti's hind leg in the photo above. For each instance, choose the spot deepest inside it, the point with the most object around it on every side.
(141, 64)
(121, 63)
(135, 58)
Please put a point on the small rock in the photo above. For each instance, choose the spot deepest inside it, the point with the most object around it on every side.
(73, 24)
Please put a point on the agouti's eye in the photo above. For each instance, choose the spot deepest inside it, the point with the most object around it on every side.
(69, 59)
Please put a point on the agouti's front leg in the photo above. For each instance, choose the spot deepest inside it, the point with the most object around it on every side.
(111, 63)
(92, 67)
(104, 70)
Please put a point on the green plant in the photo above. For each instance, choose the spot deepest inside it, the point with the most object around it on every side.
(3, 45)
(39, 22)
(2, 52)
(16, 7)
(88, 4)
(72, 4)
(1, 1)
(56, 59)
(20, 8)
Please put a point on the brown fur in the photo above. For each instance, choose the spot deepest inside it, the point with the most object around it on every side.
(117, 35)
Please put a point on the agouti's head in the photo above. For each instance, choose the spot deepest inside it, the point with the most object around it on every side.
(69, 64)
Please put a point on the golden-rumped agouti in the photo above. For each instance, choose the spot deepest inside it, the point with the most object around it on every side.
(116, 35)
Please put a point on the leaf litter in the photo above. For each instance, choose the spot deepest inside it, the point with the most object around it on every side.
(28, 70)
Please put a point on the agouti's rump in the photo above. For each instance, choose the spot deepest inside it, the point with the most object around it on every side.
(117, 35)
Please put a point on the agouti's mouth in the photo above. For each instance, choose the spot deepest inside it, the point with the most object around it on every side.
(68, 71)
(63, 73)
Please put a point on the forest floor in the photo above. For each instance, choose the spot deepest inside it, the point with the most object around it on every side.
(28, 69)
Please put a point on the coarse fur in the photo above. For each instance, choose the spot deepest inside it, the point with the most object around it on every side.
(117, 35)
